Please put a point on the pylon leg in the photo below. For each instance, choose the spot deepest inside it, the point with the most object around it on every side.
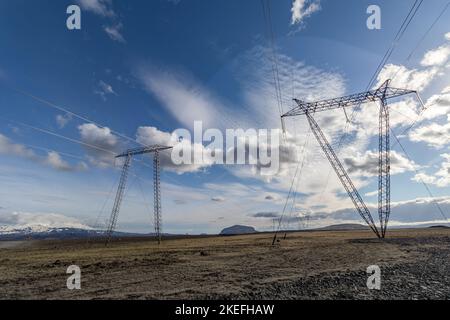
(118, 199)
(384, 167)
(157, 196)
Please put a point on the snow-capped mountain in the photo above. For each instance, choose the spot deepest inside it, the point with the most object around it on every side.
(29, 229)
(38, 231)
(24, 225)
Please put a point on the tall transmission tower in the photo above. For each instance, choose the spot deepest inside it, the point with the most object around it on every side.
(128, 155)
(382, 94)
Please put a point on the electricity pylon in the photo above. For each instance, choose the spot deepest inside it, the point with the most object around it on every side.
(382, 94)
(128, 155)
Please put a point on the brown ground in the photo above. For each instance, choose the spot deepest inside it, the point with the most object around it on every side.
(307, 265)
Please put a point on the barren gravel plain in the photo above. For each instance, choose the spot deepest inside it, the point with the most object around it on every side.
(306, 265)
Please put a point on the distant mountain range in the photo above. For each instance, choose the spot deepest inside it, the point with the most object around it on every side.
(343, 226)
(40, 232)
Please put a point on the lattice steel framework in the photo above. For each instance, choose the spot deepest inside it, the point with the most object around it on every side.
(382, 95)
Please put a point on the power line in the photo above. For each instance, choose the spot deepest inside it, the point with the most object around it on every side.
(401, 31)
(412, 12)
(424, 108)
(405, 24)
(421, 112)
(67, 138)
(418, 176)
(424, 36)
(299, 166)
(67, 111)
(53, 150)
(275, 70)
(300, 175)
(59, 136)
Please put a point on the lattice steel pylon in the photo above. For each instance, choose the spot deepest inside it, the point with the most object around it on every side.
(382, 94)
(128, 155)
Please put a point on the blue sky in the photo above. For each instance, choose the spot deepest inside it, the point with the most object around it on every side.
(141, 69)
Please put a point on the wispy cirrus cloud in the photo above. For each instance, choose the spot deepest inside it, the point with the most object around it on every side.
(115, 32)
(99, 7)
(104, 8)
(182, 95)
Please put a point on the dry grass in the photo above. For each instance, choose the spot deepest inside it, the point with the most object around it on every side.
(197, 267)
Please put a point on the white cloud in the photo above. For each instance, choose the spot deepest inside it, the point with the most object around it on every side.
(447, 36)
(441, 178)
(55, 161)
(434, 134)
(443, 175)
(367, 164)
(423, 177)
(437, 105)
(63, 120)
(52, 159)
(405, 78)
(104, 89)
(106, 143)
(150, 136)
(433, 62)
(7, 147)
(402, 212)
(302, 9)
(436, 57)
(100, 7)
(115, 32)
